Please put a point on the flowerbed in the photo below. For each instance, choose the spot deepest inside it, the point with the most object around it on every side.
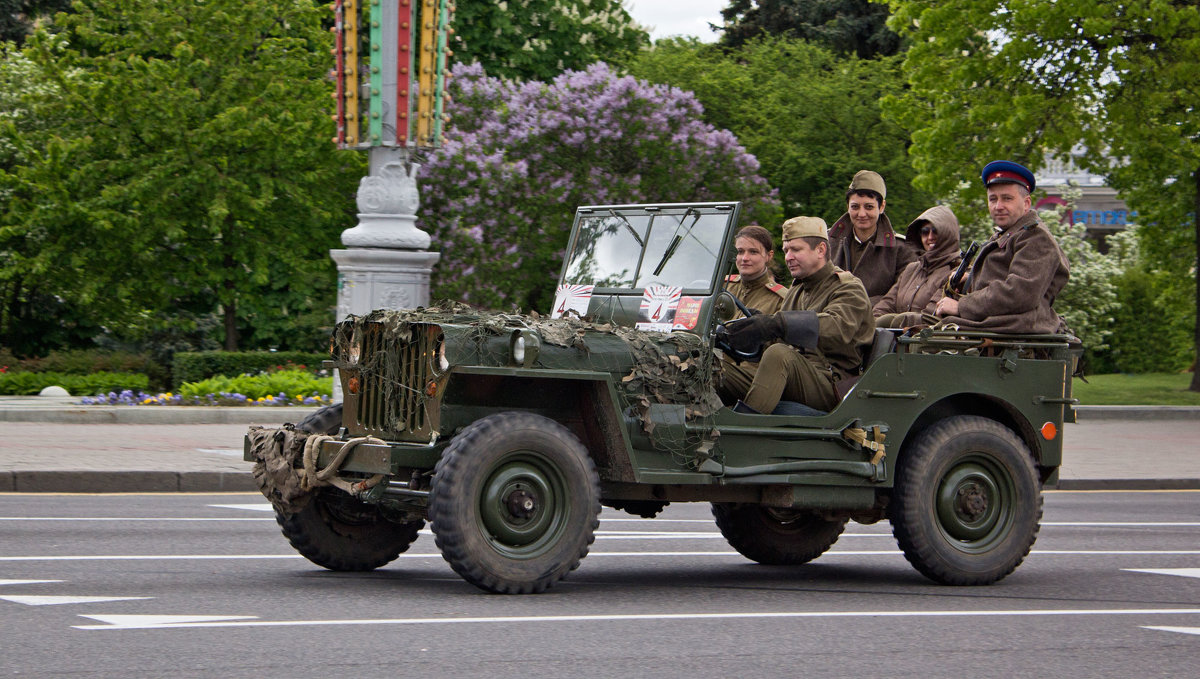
(139, 398)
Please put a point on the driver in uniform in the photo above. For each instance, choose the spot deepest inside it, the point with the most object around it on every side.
(825, 319)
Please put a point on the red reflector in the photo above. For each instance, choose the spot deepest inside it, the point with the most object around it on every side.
(1049, 431)
(352, 385)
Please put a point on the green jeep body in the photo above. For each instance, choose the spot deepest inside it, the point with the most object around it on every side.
(507, 432)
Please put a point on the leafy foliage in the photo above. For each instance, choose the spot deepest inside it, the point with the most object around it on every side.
(1089, 301)
(17, 16)
(196, 366)
(296, 384)
(1013, 79)
(30, 384)
(500, 196)
(189, 171)
(857, 27)
(538, 39)
(810, 118)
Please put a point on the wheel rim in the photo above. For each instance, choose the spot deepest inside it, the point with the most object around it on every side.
(975, 503)
(523, 507)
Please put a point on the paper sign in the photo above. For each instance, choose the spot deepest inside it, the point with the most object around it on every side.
(688, 313)
(657, 311)
(572, 299)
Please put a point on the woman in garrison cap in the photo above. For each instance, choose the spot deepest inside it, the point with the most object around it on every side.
(922, 283)
(862, 240)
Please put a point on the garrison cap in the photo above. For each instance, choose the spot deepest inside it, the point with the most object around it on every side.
(799, 227)
(866, 180)
(1008, 172)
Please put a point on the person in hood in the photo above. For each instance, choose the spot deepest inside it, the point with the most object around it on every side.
(862, 240)
(913, 299)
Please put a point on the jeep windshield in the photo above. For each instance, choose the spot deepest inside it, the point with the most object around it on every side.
(631, 248)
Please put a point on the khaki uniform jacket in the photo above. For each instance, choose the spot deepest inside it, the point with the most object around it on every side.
(762, 293)
(1013, 282)
(844, 318)
(923, 282)
(880, 265)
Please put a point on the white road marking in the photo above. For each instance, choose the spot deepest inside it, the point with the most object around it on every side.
(434, 555)
(156, 621)
(232, 452)
(1181, 630)
(127, 519)
(25, 582)
(257, 507)
(59, 600)
(1185, 572)
(114, 622)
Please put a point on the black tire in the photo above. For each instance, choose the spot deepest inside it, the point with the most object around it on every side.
(514, 503)
(646, 509)
(776, 537)
(967, 504)
(337, 532)
(323, 420)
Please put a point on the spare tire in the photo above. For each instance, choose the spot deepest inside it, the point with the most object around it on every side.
(324, 420)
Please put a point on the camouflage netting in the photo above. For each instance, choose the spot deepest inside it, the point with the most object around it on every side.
(670, 368)
(277, 454)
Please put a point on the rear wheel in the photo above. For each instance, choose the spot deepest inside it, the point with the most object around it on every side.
(967, 503)
(514, 503)
(777, 537)
(337, 532)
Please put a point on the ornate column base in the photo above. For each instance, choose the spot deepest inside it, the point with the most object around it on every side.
(370, 279)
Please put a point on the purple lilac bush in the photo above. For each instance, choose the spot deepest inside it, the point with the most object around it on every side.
(500, 195)
(129, 397)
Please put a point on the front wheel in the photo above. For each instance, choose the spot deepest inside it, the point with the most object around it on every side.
(514, 503)
(776, 537)
(337, 532)
(967, 502)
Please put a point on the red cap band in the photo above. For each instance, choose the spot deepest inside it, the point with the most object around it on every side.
(1008, 177)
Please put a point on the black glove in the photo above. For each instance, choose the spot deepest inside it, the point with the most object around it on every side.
(746, 335)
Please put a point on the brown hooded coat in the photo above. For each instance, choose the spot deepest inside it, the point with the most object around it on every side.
(923, 282)
(882, 260)
(1013, 282)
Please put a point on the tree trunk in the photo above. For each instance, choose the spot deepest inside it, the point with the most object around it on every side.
(231, 334)
(1195, 386)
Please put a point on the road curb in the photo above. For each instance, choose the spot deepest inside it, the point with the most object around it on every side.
(265, 415)
(98, 481)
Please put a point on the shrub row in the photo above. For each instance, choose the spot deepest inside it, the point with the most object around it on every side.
(31, 383)
(295, 384)
(194, 366)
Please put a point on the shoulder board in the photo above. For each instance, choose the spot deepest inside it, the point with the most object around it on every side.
(777, 289)
(733, 278)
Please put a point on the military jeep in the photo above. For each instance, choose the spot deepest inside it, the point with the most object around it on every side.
(507, 432)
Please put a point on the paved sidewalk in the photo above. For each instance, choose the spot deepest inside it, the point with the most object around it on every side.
(56, 445)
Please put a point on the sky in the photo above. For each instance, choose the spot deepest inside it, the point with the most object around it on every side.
(666, 18)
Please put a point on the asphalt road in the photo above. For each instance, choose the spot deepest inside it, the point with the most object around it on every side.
(199, 585)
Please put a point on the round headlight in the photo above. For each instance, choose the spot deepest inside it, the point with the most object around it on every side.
(518, 349)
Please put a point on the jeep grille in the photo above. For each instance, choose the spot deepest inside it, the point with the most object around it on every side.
(392, 399)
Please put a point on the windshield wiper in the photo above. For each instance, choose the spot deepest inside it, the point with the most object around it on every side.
(632, 231)
(676, 240)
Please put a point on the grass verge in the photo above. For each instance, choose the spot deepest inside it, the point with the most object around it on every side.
(1149, 389)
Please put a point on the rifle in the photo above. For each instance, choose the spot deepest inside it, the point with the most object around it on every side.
(955, 282)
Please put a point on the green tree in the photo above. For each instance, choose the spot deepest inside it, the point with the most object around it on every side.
(538, 39)
(17, 16)
(810, 118)
(856, 27)
(193, 167)
(1001, 78)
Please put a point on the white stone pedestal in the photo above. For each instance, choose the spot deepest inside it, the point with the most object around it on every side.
(370, 279)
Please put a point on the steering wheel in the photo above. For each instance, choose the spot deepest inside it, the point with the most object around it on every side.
(722, 337)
